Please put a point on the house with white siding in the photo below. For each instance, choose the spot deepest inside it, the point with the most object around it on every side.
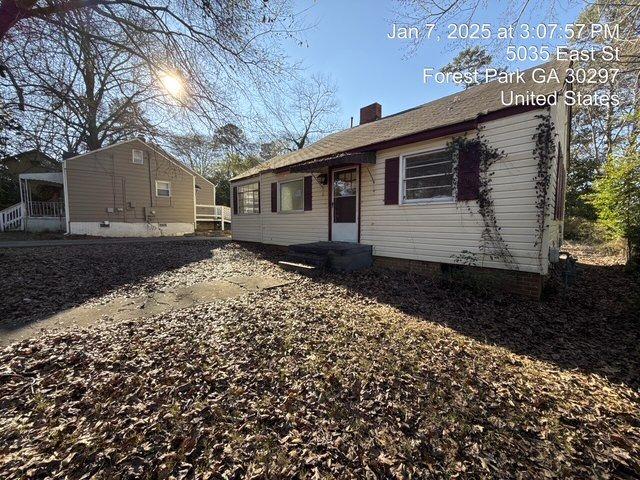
(464, 181)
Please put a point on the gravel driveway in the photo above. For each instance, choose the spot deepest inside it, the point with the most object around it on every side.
(376, 374)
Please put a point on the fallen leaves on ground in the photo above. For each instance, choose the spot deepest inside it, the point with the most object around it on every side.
(339, 377)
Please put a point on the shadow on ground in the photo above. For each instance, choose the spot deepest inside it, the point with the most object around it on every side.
(592, 326)
(38, 283)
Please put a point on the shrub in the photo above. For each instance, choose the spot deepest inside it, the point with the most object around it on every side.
(616, 199)
(583, 230)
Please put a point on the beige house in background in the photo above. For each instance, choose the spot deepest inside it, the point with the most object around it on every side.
(134, 188)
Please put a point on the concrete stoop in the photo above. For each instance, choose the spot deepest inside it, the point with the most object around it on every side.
(311, 258)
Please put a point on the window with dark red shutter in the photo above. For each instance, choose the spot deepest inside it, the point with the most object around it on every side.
(427, 177)
(308, 191)
(469, 172)
(292, 195)
(391, 180)
(274, 197)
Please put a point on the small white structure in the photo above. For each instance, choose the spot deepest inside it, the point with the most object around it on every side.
(37, 215)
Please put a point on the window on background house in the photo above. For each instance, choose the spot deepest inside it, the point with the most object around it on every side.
(163, 189)
(249, 198)
(137, 157)
(292, 196)
(427, 177)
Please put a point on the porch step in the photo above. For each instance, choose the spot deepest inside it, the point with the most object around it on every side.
(307, 258)
(335, 256)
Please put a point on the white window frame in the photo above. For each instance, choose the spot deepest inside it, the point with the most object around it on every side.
(300, 179)
(168, 183)
(134, 152)
(422, 201)
(237, 199)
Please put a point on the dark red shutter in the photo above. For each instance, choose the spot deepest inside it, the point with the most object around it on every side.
(274, 197)
(469, 172)
(235, 200)
(308, 190)
(259, 199)
(391, 180)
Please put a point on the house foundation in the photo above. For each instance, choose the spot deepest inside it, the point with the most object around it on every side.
(524, 284)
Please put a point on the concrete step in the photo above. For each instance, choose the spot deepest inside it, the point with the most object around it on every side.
(334, 256)
(349, 263)
(315, 259)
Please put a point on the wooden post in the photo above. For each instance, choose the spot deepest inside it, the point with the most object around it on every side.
(222, 218)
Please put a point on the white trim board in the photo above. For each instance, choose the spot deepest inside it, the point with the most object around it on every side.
(124, 229)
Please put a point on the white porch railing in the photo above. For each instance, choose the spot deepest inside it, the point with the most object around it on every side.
(46, 209)
(223, 212)
(11, 218)
(215, 213)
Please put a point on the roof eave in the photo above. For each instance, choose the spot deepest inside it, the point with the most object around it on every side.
(441, 131)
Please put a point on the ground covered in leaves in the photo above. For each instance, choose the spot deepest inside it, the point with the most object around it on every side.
(372, 375)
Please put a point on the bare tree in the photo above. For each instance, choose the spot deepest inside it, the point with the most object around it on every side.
(601, 130)
(200, 152)
(273, 148)
(207, 154)
(215, 49)
(9, 128)
(299, 116)
(80, 94)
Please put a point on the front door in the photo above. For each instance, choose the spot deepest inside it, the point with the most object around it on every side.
(344, 215)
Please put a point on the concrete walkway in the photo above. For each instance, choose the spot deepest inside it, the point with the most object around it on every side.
(104, 241)
(130, 308)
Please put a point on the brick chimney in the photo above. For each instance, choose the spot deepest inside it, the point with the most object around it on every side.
(370, 113)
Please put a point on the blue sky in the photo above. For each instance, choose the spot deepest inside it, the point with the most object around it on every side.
(349, 43)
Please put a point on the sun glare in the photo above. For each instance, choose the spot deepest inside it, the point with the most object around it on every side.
(172, 84)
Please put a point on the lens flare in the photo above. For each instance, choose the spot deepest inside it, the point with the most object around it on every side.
(172, 84)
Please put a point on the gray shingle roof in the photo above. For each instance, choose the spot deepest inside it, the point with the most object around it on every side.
(450, 110)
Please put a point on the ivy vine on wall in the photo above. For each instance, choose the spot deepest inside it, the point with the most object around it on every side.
(544, 152)
(492, 244)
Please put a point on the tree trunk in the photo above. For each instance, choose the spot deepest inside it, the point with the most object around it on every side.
(609, 131)
(92, 139)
